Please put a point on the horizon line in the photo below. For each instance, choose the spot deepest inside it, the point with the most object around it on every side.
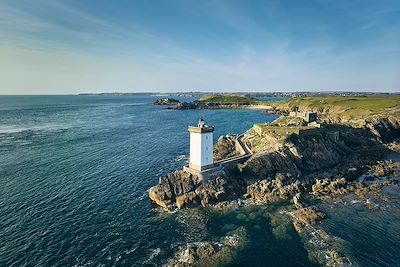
(207, 92)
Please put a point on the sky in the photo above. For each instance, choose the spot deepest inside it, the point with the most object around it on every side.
(80, 46)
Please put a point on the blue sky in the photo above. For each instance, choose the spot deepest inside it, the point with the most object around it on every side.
(59, 47)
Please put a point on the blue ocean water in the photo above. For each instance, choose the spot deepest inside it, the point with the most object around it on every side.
(74, 174)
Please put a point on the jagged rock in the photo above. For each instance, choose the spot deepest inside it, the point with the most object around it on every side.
(193, 254)
(187, 200)
(394, 146)
(296, 201)
(209, 253)
(269, 191)
(166, 101)
(381, 169)
(325, 249)
(327, 187)
(181, 189)
(175, 184)
(309, 154)
(225, 148)
(335, 259)
(306, 217)
(384, 128)
(211, 191)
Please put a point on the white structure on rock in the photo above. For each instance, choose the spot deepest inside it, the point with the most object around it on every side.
(201, 146)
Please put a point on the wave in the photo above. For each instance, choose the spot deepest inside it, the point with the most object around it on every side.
(153, 253)
(182, 157)
(13, 129)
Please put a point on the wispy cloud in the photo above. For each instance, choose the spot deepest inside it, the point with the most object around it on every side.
(57, 46)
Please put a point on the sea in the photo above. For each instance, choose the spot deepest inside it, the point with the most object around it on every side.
(74, 175)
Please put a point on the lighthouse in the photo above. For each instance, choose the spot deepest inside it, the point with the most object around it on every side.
(201, 146)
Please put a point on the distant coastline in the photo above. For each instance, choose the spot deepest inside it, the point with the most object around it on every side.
(249, 94)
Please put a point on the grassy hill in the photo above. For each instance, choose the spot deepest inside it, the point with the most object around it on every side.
(343, 107)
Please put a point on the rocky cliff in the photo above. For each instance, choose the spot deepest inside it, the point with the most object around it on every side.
(281, 168)
(313, 154)
(381, 115)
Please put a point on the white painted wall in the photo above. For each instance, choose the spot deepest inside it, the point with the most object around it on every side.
(201, 149)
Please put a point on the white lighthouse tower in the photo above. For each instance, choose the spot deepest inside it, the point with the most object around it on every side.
(201, 146)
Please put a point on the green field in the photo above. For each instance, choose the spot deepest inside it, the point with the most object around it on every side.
(232, 100)
(350, 107)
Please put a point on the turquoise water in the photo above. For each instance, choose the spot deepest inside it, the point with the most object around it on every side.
(74, 171)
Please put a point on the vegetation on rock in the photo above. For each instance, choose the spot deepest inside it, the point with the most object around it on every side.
(343, 108)
(233, 100)
(166, 101)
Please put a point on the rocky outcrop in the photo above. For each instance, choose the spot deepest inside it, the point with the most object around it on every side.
(384, 128)
(225, 148)
(181, 189)
(166, 101)
(209, 253)
(326, 187)
(394, 146)
(306, 217)
(322, 248)
(314, 155)
(174, 185)
(271, 191)
(199, 254)
(325, 249)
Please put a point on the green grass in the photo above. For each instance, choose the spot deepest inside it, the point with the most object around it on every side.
(287, 121)
(353, 107)
(232, 100)
(273, 127)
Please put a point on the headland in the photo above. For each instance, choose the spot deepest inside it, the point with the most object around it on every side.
(320, 149)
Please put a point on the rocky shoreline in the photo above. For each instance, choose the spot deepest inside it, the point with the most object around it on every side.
(209, 253)
(300, 161)
(300, 169)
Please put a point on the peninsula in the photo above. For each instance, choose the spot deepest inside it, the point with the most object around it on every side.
(317, 150)
(222, 102)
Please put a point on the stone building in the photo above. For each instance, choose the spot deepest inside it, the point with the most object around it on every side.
(306, 116)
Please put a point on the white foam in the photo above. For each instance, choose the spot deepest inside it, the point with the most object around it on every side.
(12, 129)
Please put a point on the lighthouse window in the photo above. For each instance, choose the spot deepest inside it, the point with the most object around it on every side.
(206, 147)
(206, 137)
